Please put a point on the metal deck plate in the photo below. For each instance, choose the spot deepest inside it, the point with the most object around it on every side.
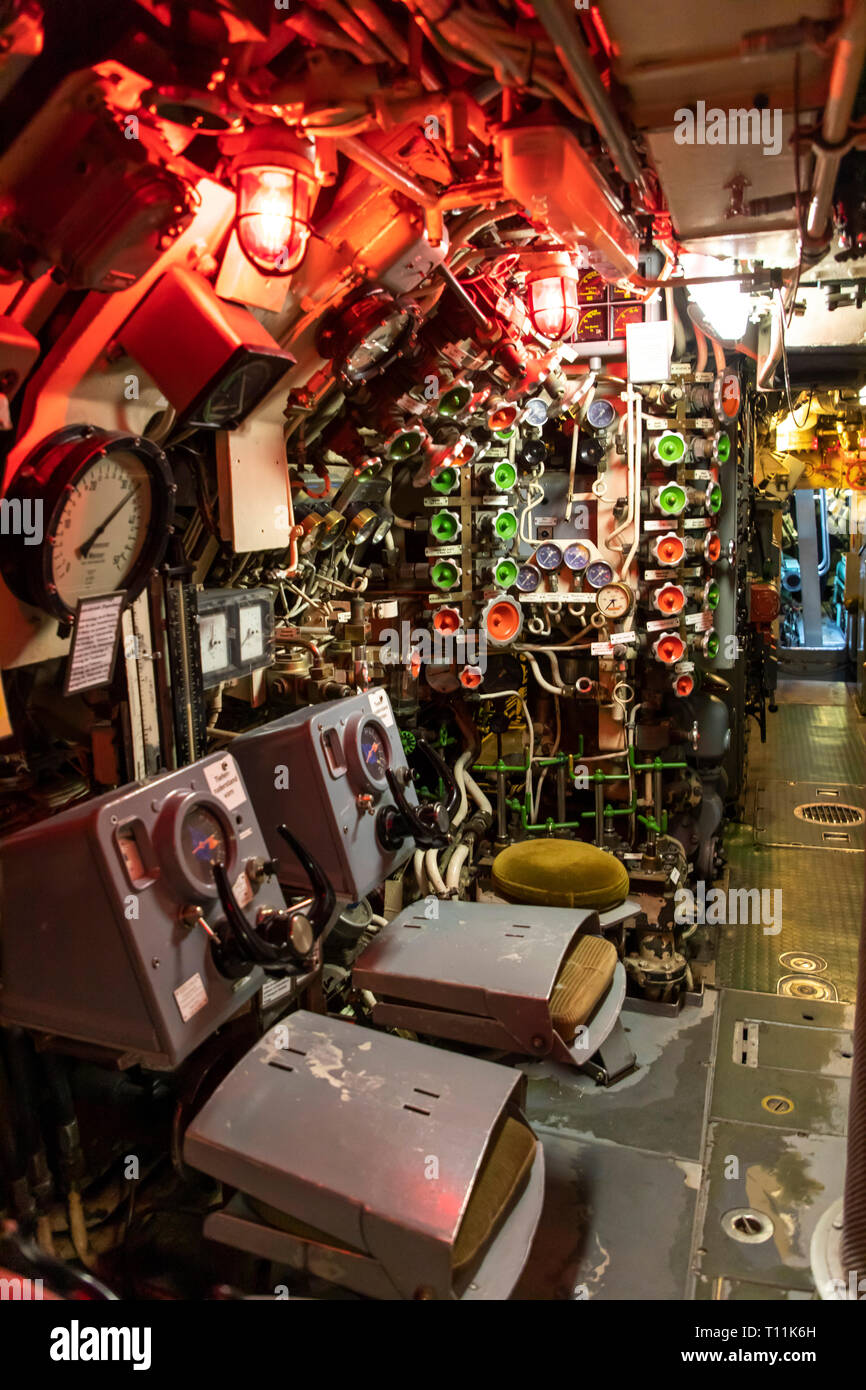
(810, 815)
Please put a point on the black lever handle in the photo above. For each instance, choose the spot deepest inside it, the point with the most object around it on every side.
(324, 897)
(428, 825)
(242, 946)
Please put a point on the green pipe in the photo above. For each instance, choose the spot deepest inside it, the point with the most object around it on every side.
(654, 766)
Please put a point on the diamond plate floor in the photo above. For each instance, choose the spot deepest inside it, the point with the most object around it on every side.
(822, 890)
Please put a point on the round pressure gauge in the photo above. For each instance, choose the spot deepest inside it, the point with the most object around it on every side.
(528, 579)
(601, 414)
(548, 556)
(535, 413)
(577, 555)
(614, 600)
(368, 751)
(105, 504)
(598, 574)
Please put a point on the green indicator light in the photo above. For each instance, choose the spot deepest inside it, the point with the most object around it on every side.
(712, 595)
(444, 575)
(444, 525)
(672, 500)
(444, 481)
(505, 476)
(723, 448)
(505, 526)
(714, 498)
(505, 573)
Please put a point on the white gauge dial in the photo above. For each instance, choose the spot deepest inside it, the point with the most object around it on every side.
(101, 528)
(213, 629)
(252, 632)
(614, 600)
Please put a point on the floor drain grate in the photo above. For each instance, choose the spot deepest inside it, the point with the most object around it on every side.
(803, 962)
(747, 1225)
(807, 987)
(826, 813)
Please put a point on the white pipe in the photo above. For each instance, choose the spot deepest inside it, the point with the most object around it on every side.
(636, 477)
(481, 801)
(431, 868)
(455, 864)
(545, 684)
(418, 866)
(459, 778)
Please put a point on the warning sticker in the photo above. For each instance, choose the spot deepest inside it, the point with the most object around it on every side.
(242, 890)
(190, 997)
(381, 708)
(224, 780)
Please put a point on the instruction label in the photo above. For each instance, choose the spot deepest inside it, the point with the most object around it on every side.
(224, 781)
(95, 639)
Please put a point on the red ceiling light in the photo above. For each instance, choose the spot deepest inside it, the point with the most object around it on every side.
(277, 182)
(551, 296)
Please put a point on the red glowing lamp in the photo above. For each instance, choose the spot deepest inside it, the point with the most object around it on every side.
(277, 179)
(551, 296)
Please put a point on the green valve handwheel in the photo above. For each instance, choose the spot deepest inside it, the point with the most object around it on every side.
(505, 526)
(444, 481)
(444, 575)
(505, 574)
(723, 447)
(455, 399)
(669, 447)
(504, 476)
(404, 444)
(444, 525)
(408, 740)
(712, 594)
(671, 499)
(714, 498)
(711, 645)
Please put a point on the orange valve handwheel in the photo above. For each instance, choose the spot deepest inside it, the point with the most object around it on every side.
(503, 620)
(471, 677)
(447, 620)
(683, 685)
(669, 549)
(669, 599)
(712, 547)
(669, 648)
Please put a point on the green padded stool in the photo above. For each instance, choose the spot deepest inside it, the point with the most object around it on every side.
(560, 873)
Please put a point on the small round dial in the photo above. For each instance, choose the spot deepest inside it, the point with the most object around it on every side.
(577, 555)
(614, 600)
(374, 750)
(528, 579)
(203, 842)
(598, 574)
(601, 414)
(548, 556)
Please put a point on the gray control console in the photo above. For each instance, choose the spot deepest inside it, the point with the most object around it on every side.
(324, 772)
(111, 917)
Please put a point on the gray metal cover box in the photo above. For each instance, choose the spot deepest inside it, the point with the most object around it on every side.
(336, 1125)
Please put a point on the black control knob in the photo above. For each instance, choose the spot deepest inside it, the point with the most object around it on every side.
(291, 931)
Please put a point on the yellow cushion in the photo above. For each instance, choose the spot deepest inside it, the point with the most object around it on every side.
(584, 977)
(560, 873)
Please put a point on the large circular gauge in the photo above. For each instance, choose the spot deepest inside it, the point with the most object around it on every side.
(366, 335)
(104, 503)
(203, 844)
(548, 556)
(598, 574)
(369, 751)
(577, 555)
(614, 600)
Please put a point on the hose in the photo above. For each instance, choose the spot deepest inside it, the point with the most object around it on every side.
(452, 875)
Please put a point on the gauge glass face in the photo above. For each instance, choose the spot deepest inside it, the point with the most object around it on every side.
(101, 527)
(374, 751)
(548, 556)
(601, 415)
(213, 631)
(203, 843)
(598, 574)
(576, 555)
(235, 396)
(614, 600)
(252, 632)
(528, 579)
(131, 854)
(375, 346)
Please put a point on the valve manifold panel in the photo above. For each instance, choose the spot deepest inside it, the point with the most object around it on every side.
(322, 772)
(94, 947)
